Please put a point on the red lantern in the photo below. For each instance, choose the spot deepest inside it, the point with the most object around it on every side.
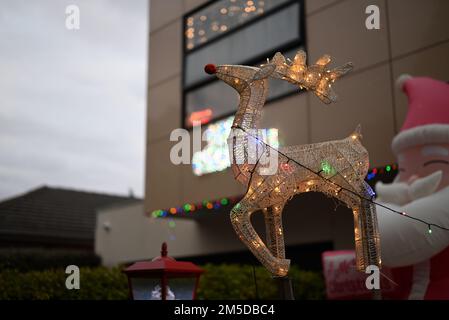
(163, 278)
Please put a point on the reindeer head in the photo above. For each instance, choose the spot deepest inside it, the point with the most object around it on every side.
(239, 77)
(317, 77)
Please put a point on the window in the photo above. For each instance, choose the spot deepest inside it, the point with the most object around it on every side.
(215, 155)
(235, 32)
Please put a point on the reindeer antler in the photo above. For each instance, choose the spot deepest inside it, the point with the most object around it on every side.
(317, 78)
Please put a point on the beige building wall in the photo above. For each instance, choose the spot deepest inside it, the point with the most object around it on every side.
(123, 234)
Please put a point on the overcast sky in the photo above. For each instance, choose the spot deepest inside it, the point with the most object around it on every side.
(72, 102)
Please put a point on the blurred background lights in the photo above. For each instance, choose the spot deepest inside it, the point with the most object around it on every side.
(215, 156)
(222, 16)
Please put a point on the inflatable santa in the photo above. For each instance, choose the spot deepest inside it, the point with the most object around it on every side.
(419, 253)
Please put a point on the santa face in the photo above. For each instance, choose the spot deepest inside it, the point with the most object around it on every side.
(421, 161)
(420, 191)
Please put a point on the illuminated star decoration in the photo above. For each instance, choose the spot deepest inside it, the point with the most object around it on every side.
(317, 78)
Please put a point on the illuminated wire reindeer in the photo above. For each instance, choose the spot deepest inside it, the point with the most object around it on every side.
(335, 168)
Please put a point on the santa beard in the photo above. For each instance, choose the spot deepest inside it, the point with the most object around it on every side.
(405, 241)
(401, 193)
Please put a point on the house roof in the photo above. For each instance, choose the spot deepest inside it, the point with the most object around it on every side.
(55, 214)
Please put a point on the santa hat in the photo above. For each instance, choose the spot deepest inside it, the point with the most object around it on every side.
(427, 119)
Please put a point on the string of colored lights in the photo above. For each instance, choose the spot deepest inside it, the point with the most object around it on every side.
(190, 208)
(403, 214)
(217, 204)
(378, 171)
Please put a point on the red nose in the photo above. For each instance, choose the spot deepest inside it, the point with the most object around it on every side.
(210, 68)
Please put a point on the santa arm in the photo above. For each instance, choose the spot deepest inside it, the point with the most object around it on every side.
(405, 241)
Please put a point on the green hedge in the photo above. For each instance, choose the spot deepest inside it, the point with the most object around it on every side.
(219, 282)
(95, 283)
(237, 282)
(40, 259)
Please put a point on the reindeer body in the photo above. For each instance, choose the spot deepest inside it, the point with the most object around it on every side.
(335, 168)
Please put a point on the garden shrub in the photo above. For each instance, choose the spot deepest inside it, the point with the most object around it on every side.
(225, 281)
(95, 284)
(233, 281)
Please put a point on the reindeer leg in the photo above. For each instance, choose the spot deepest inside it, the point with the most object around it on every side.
(367, 242)
(275, 242)
(240, 218)
(366, 233)
(274, 230)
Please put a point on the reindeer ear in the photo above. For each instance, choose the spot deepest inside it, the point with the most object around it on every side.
(278, 59)
(264, 71)
(300, 58)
